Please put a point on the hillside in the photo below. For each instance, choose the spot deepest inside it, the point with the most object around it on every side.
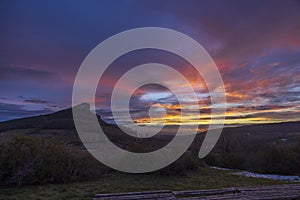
(60, 124)
(62, 119)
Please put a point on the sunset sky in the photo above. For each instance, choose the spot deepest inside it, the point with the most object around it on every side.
(255, 45)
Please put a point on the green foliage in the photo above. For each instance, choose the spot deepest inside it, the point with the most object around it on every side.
(28, 160)
(279, 161)
(228, 160)
(180, 167)
(270, 159)
(187, 162)
(282, 160)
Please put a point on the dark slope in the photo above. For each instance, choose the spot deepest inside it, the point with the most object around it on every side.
(61, 124)
(284, 127)
(282, 134)
(58, 120)
(63, 119)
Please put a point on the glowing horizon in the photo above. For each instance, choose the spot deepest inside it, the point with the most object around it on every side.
(259, 61)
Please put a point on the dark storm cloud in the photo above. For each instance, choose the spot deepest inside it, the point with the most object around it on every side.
(36, 100)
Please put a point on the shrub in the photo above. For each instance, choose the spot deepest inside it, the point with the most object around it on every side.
(28, 160)
(227, 160)
(180, 167)
(280, 161)
(270, 159)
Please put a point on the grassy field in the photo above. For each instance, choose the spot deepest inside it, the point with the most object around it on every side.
(203, 178)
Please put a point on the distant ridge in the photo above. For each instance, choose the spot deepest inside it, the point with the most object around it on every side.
(62, 119)
(293, 126)
(263, 132)
(61, 122)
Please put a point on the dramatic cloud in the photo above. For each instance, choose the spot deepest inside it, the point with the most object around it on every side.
(255, 44)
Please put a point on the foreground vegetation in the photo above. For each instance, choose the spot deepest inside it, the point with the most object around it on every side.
(37, 168)
(202, 178)
(256, 157)
(26, 160)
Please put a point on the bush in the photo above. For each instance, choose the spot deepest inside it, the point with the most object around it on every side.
(270, 159)
(27, 160)
(228, 160)
(280, 161)
(180, 167)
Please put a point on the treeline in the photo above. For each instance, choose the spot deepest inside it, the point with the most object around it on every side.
(187, 162)
(257, 157)
(26, 160)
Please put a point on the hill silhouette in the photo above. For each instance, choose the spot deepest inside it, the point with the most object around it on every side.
(62, 119)
(60, 124)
